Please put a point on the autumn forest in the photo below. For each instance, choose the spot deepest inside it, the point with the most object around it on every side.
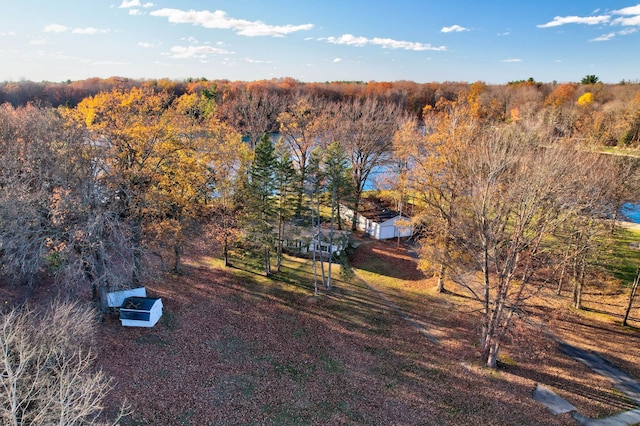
(107, 184)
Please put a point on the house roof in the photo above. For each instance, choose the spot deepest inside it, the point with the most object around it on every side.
(381, 215)
(138, 303)
(378, 210)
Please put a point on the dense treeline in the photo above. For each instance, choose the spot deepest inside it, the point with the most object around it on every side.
(103, 182)
(607, 114)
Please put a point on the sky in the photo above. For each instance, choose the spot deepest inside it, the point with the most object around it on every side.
(495, 41)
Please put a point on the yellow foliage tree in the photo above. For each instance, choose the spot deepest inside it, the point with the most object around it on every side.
(433, 161)
(159, 158)
(586, 99)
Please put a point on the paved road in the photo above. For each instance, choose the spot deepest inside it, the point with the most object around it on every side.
(621, 381)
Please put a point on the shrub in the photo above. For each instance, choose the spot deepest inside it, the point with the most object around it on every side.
(47, 367)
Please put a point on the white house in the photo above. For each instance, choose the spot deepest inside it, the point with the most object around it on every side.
(304, 242)
(380, 222)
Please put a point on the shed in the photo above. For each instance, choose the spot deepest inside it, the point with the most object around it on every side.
(140, 311)
(115, 299)
(386, 224)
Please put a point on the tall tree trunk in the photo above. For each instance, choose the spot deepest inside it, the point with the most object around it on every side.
(579, 285)
(97, 274)
(324, 278)
(225, 249)
(313, 248)
(632, 295)
(225, 236)
(279, 244)
(492, 358)
(356, 207)
(440, 284)
(447, 246)
(177, 258)
(486, 312)
(267, 262)
(563, 271)
(136, 272)
(333, 214)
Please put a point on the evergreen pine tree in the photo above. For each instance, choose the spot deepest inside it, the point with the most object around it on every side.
(260, 199)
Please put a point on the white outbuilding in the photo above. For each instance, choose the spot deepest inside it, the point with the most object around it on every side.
(384, 225)
(140, 311)
(378, 221)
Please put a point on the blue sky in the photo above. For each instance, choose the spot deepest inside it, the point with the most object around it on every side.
(494, 41)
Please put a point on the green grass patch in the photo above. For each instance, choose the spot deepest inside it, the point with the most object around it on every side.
(621, 259)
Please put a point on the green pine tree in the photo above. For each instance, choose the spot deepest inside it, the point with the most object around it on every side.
(260, 199)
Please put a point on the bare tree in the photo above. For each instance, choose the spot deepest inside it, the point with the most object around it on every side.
(30, 174)
(254, 111)
(47, 370)
(514, 195)
(301, 125)
(366, 128)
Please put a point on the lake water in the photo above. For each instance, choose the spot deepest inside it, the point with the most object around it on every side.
(631, 211)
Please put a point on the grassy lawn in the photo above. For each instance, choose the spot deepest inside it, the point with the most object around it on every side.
(235, 347)
(622, 259)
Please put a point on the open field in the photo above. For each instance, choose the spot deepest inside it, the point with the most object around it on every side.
(236, 348)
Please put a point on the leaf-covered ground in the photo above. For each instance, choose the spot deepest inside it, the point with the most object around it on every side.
(235, 348)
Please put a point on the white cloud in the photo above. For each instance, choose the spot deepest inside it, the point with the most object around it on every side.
(190, 39)
(588, 20)
(336, 60)
(628, 31)
(385, 43)
(610, 36)
(604, 37)
(349, 39)
(135, 12)
(256, 61)
(9, 33)
(631, 21)
(631, 10)
(504, 34)
(55, 28)
(220, 20)
(146, 45)
(512, 60)
(184, 52)
(90, 31)
(627, 17)
(454, 29)
(129, 3)
(38, 42)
